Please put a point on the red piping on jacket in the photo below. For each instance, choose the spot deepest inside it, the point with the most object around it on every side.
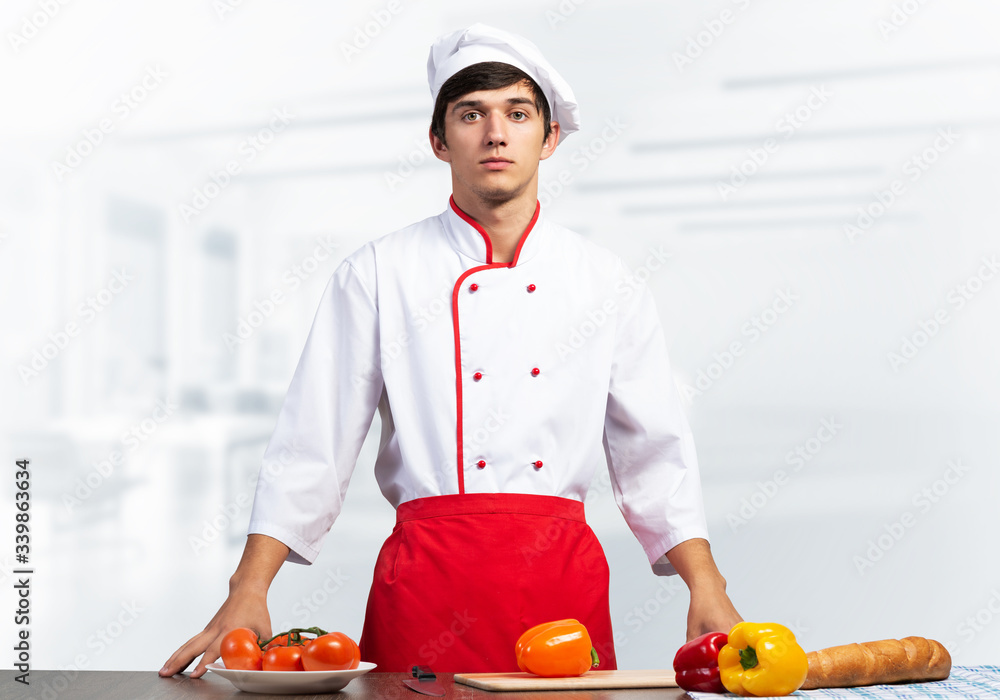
(454, 313)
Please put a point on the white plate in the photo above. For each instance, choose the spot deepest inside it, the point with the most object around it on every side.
(289, 682)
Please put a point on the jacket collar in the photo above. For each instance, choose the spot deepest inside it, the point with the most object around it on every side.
(470, 239)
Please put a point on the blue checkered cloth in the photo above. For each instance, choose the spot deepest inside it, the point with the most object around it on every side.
(964, 683)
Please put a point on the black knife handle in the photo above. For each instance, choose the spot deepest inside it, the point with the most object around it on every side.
(424, 673)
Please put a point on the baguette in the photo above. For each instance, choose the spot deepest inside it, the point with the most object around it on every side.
(872, 663)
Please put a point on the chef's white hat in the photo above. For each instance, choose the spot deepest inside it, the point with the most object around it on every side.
(452, 52)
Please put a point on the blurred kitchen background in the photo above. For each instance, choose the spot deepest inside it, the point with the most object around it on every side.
(810, 189)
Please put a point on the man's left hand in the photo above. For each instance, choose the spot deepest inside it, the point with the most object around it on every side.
(710, 611)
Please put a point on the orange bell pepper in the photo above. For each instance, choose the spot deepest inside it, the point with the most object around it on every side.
(559, 648)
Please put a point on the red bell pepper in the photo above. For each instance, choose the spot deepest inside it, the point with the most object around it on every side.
(696, 664)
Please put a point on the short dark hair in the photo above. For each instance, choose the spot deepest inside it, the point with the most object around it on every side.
(487, 75)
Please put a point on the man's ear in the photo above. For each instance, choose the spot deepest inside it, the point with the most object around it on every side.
(439, 147)
(550, 143)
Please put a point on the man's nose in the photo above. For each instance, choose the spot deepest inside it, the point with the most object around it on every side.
(496, 130)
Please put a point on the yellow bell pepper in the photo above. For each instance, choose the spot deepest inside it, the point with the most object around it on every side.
(762, 659)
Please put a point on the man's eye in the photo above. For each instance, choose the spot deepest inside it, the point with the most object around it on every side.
(470, 114)
(522, 117)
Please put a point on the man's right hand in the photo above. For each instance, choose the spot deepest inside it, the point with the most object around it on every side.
(239, 610)
(246, 606)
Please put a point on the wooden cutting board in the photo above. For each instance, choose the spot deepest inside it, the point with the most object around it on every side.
(591, 679)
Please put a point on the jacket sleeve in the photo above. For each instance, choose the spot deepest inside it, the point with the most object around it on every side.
(323, 421)
(647, 440)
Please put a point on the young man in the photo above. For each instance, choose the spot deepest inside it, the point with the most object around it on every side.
(494, 418)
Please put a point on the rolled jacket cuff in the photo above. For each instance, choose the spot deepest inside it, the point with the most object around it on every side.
(657, 553)
(299, 551)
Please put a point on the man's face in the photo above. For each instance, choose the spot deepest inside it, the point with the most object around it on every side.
(495, 141)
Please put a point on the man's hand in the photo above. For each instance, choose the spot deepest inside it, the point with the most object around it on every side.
(239, 610)
(246, 605)
(710, 609)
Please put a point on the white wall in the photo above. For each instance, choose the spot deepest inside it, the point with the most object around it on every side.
(814, 543)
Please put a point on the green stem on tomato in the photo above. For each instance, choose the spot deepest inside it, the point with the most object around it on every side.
(294, 636)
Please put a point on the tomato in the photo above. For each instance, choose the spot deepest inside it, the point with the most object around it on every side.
(283, 658)
(331, 652)
(240, 650)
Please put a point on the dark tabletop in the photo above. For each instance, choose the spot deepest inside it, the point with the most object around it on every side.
(147, 685)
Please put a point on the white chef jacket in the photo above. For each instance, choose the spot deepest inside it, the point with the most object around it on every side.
(489, 377)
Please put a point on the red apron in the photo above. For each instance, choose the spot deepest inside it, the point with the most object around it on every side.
(462, 576)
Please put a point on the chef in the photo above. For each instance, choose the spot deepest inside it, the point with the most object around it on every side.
(509, 358)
